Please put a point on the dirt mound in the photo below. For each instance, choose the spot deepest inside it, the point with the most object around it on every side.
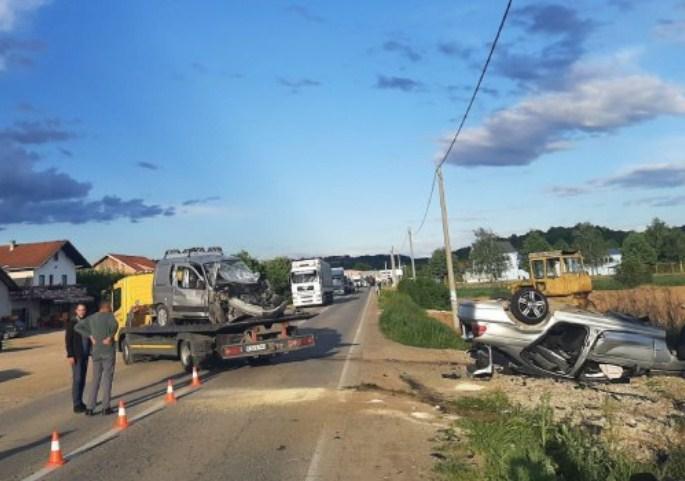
(664, 306)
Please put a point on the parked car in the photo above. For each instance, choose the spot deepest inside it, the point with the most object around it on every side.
(12, 328)
(571, 344)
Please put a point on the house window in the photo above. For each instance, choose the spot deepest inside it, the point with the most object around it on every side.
(51, 279)
(56, 256)
(41, 280)
(64, 279)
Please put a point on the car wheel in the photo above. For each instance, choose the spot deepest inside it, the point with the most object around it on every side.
(185, 355)
(163, 317)
(129, 357)
(529, 306)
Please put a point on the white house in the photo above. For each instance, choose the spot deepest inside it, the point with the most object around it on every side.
(6, 285)
(45, 273)
(511, 273)
(609, 264)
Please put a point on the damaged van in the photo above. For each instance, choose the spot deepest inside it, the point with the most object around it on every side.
(205, 285)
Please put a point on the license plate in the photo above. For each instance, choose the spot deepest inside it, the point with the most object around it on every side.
(255, 347)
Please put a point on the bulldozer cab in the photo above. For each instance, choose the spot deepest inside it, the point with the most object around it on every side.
(558, 273)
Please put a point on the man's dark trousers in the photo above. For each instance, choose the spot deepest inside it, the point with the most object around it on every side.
(79, 370)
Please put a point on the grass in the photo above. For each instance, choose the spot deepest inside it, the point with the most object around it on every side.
(663, 280)
(405, 322)
(491, 292)
(504, 441)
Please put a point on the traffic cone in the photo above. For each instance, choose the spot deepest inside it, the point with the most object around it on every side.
(170, 396)
(122, 420)
(55, 460)
(196, 379)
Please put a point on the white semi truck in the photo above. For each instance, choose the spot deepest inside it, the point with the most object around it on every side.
(311, 283)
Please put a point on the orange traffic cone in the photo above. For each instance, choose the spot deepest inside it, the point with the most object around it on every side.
(55, 460)
(122, 420)
(170, 396)
(196, 379)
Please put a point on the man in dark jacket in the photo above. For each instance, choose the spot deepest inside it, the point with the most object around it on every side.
(100, 328)
(78, 349)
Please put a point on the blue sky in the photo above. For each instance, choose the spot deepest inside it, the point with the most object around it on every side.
(312, 128)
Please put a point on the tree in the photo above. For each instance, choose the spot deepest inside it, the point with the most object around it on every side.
(98, 284)
(561, 245)
(250, 261)
(674, 246)
(656, 233)
(589, 240)
(277, 272)
(638, 259)
(487, 255)
(534, 242)
(361, 266)
(636, 246)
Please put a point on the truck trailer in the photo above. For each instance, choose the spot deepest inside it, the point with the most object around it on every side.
(197, 337)
(311, 283)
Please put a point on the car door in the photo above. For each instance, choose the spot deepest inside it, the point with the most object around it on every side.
(189, 292)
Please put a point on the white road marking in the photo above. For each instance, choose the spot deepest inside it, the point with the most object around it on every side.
(109, 435)
(315, 462)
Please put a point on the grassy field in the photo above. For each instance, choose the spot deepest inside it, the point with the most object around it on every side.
(504, 441)
(406, 322)
(664, 280)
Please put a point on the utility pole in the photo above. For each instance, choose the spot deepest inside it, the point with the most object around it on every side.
(448, 252)
(392, 265)
(411, 253)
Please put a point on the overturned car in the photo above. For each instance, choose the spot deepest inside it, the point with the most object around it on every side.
(572, 344)
(205, 285)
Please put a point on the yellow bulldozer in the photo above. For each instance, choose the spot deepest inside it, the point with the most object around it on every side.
(559, 273)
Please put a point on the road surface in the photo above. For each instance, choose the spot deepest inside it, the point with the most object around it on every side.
(290, 419)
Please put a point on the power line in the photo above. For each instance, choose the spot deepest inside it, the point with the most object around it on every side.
(475, 90)
(466, 114)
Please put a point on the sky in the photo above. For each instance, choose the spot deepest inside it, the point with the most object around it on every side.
(313, 128)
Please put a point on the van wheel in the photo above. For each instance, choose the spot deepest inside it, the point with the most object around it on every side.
(163, 318)
(129, 357)
(529, 306)
(185, 355)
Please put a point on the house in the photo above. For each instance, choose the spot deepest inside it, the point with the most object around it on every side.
(510, 273)
(609, 264)
(124, 264)
(45, 273)
(6, 285)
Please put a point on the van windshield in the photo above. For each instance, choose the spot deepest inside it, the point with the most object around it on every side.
(232, 271)
(302, 277)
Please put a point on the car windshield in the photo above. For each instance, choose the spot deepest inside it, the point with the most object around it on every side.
(235, 271)
(302, 277)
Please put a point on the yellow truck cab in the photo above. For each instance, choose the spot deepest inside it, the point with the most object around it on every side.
(128, 292)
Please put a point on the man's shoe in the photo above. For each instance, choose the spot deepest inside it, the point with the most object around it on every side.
(107, 411)
(89, 412)
(79, 408)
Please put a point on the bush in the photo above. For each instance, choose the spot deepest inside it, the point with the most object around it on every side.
(426, 293)
(98, 284)
(632, 272)
(406, 322)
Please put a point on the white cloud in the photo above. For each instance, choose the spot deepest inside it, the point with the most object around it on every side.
(672, 30)
(11, 10)
(549, 121)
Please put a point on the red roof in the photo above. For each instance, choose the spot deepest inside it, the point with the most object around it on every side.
(35, 254)
(137, 263)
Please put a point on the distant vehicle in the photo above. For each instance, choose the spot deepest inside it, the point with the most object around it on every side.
(206, 284)
(10, 329)
(338, 281)
(311, 282)
(349, 286)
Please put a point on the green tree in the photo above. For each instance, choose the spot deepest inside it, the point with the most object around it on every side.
(534, 242)
(561, 245)
(437, 265)
(589, 240)
(632, 272)
(98, 284)
(361, 266)
(487, 255)
(656, 233)
(277, 271)
(636, 246)
(674, 246)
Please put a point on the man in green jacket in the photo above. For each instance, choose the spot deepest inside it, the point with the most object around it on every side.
(100, 328)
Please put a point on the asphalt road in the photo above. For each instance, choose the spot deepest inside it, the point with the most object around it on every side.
(267, 422)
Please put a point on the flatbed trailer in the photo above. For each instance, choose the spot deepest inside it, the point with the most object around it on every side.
(195, 343)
